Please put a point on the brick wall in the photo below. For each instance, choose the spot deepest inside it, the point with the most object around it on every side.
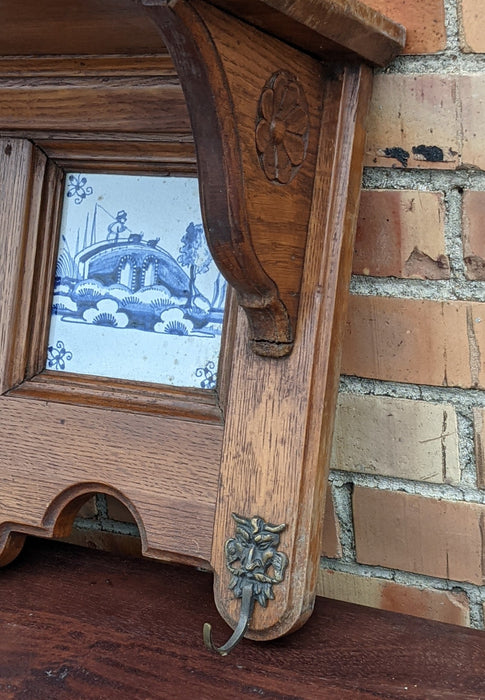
(405, 516)
(408, 472)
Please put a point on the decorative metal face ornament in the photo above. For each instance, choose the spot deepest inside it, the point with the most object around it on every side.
(250, 556)
(253, 559)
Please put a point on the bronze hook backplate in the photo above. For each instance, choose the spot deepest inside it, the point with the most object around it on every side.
(256, 566)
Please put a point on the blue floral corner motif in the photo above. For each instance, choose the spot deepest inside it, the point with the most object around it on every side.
(77, 188)
(58, 356)
(209, 373)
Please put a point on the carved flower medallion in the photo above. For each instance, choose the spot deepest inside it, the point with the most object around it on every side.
(282, 127)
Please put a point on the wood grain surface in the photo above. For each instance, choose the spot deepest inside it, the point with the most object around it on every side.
(128, 154)
(325, 28)
(22, 174)
(84, 65)
(93, 104)
(81, 624)
(104, 113)
(71, 27)
(165, 470)
(121, 27)
(256, 230)
(277, 214)
(280, 412)
(102, 392)
(39, 286)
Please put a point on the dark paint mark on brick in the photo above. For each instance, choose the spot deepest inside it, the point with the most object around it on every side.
(399, 154)
(433, 154)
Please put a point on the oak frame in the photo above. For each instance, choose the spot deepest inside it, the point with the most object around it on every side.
(32, 177)
(260, 445)
(29, 394)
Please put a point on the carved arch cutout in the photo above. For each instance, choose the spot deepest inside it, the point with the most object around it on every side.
(58, 519)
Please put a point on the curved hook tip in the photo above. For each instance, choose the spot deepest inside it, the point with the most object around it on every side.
(207, 633)
(247, 605)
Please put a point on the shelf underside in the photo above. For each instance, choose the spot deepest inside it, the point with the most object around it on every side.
(344, 28)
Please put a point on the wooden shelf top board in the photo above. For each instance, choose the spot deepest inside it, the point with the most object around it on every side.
(347, 28)
(323, 27)
(70, 27)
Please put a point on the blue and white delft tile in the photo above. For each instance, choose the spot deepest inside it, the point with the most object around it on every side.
(137, 295)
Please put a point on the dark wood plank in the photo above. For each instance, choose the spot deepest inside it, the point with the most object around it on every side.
(72, 27)
(82, 105)
(82, 624)
(324, 27)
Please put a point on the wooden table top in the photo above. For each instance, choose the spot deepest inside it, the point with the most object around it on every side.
(80, 624)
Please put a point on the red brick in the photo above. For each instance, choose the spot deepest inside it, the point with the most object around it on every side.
(415, 341)
(473, 238)
(424, 22)
(443, 606)
(331, 539)
(413, 111)
(473, 38)
(471, 96)
(400, 233)
(479, 424)
(396, 437)
(427, 121)
(413, 533)
(118, 511)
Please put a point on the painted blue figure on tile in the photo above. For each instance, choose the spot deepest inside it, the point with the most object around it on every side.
(209, 374)
(111, 274)
(117, 226)
(123, 281)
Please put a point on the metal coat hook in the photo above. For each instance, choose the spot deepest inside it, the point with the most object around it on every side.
(254, 549)
(247, 607)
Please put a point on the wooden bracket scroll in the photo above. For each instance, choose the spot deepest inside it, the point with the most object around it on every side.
(255, 106)
(272, 95)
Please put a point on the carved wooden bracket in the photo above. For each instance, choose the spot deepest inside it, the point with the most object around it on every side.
(277, 93)
(255, 106)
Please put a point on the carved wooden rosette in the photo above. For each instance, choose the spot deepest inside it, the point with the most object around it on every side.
(282, 128)
(256, 231)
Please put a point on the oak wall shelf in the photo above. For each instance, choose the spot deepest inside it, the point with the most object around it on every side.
(265, 102)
